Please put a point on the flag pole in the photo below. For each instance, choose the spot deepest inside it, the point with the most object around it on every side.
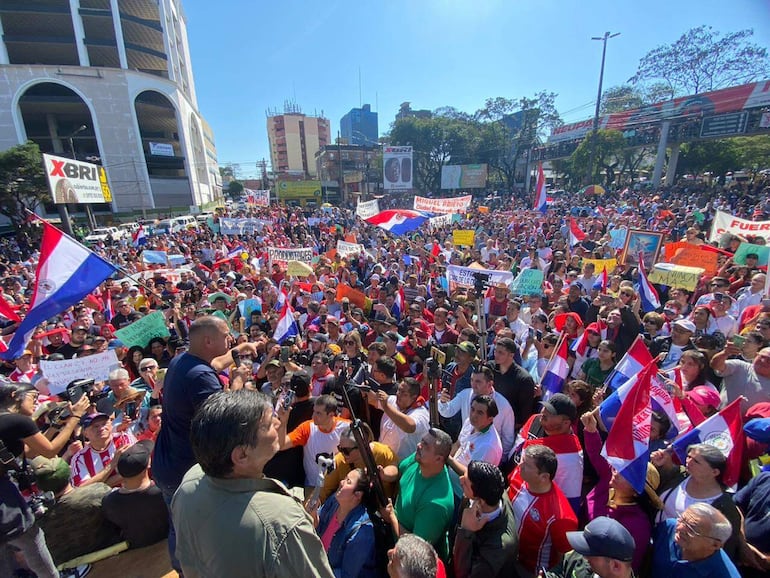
(122, 270)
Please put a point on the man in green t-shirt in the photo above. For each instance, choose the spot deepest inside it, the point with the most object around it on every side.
(425, 501)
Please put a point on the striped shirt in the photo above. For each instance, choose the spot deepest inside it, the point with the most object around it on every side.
(88, 462)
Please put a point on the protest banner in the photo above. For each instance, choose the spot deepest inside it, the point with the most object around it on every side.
(692, 256)
(463, 237)
(600, 264)
(443, 206)
(727, 223)
(154, 257)
(242, 226)
(528, 282)
(670, 249)
(437, 222)
(142, 330)
(260, 197)
(367, 209)
(675, 275)
(282, 255)
(457, 276)
(356, 298)
(761, 251)
(345, 248)
(61, 373)
(247, 307)
(298, 269)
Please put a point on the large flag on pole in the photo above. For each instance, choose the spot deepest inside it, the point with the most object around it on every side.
(66, 273)
(635, 359)
(628, 442)
(287, 326)
(541, 201)
(555, 374)
(647, 293)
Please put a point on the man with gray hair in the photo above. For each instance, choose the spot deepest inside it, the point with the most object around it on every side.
(129, 404)
(691, 545)
(425, 502)
(412, 557)
(230, 520)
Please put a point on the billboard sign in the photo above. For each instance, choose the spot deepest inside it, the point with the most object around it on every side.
(73, 181)
(397, 168)
(298, 190)
(161, 149)
(463, 176)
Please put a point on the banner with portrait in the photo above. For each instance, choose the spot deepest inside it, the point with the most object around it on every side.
(397, 168)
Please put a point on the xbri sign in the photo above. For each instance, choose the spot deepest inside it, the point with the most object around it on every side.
(74, 181)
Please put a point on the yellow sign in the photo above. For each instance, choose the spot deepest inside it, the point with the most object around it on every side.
(353, 177)
(298, 190)
(600, 264)
(675, 275)
(298, 269)
(464, 237)
(105, 186)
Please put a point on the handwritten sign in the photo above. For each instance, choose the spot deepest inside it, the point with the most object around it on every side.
(443, 206)
(367, 209)
(463, 237)
(141, 331)
(761, 251)
(618, 238)
(528, 282)
(298, 269)
(457, 276)
(676, 275)
(693, 257)
(61, 373)
(345, 248)
(247, 307)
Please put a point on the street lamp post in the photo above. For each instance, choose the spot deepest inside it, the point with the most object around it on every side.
(592, 154)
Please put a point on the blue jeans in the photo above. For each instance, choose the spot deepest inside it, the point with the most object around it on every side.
(32, 545)
(168, 494)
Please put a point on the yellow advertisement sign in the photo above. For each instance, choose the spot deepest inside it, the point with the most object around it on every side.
(298, 190)
(105, 186)
(463, 237)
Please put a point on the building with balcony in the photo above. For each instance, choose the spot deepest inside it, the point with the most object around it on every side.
(359, 126)
(109, 81)
(347, 171)
(294, 139)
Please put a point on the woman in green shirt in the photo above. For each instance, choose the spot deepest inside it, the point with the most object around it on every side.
(595, 371)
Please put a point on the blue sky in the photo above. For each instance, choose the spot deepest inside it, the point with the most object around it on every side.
(249, 56)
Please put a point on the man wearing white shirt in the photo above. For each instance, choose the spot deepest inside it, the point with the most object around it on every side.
(405, 418)
(479, 439)
(720, 320)
(753, 293)
(482, 383)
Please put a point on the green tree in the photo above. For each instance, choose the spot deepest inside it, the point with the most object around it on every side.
(234, 189)
(702, 60)
(715, 156)
(610, 146)
(753, 152)
(23, 183)
(621, 98)
(510, 127)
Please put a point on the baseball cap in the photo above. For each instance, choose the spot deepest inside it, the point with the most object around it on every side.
(603, 537)
(135, 459)
(703, 395)
(79, 328)
(467, 347)
(561, 404)
(53, 474)
(685, 324)
(322, 337)
(90, 418)
(273, 363)
(114, 344)
(392, 335)
(300, 379)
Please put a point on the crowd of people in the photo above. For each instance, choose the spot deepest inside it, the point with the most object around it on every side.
(371, 416)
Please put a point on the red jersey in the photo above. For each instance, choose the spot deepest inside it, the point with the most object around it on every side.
(88, 462)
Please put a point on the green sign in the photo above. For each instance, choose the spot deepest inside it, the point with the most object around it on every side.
(140, 332)
(528, 282)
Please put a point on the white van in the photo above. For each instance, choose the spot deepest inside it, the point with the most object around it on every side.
(176, 224)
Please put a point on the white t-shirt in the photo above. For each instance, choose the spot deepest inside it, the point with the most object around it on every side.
(678, 500)
(404, 444)
(316, 442)
(475, 445)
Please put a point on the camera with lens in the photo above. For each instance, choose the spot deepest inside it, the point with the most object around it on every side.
(433, 367)
(80, 387)
(23, 476)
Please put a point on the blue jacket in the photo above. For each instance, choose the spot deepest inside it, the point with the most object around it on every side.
(351, 553)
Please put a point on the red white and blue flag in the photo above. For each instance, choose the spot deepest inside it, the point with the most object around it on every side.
(580, 345)
(541, 199)
(138, 237)
(555, 374)
(635, 359)
(627, 447)
(399, 221)
(647, 293)
(724, 431)
(575, 234)
(287, 326)
(398, 304)
(283, 299)
(107, 301)
(235, 252)
(66, 273)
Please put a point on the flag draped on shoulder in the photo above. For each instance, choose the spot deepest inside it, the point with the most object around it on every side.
(138, 237)
(724, 431)
(66, 272)
(541, 200)
(287, 326)
(628, 443)
(555, 374)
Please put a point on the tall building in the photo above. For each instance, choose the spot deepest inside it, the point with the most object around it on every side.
(359, 126)
(406, 111)
(109, 81)
(294, 140)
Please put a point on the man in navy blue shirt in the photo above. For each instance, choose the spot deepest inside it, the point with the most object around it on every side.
(191, 378)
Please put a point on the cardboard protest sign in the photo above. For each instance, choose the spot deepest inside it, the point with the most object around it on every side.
(61, 373)
(675, 275)
(761, 251)
(345, 248)
(298, 269)
(463, 237)
(356, 298)
(528, 282)
(141, 331)
(457, 276)
(693, 257)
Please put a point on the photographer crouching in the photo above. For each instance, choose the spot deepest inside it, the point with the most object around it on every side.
(20, 500)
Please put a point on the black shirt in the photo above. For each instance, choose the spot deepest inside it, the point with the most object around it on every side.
(287, 465)
(142, 516)
(518, 387)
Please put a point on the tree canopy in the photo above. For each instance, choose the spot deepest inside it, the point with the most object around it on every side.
(702, 60)
(22, 182)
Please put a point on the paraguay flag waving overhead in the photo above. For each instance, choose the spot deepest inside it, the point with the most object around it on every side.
(575, 234)
(628, 442)
(138, 237)
(541, 200)
(647, 293)
(555, 372)
(399, 221)
(66, 273)
(631, 363)
(287, 326)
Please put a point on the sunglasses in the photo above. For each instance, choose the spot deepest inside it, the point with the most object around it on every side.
(148, 368)
(349, 342)
(346, 451)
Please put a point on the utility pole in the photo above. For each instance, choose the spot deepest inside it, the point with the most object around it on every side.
(592, 155)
